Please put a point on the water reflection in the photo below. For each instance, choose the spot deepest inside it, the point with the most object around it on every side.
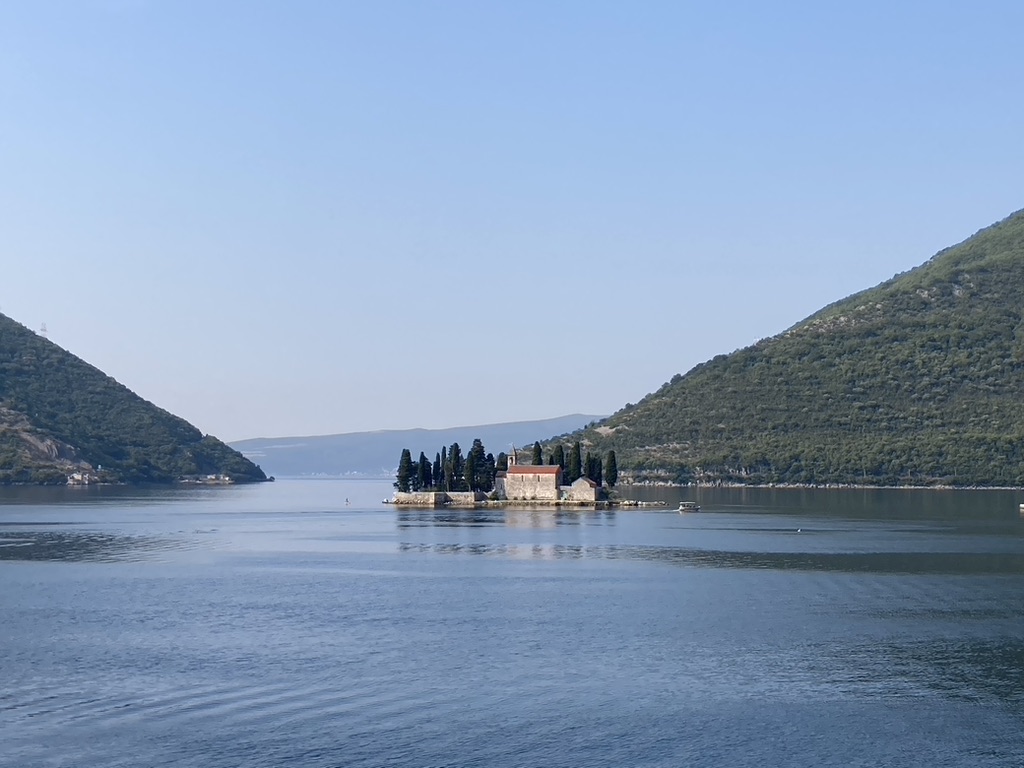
(82, 547)
(518, 517)
(116, 495)
(444, 518)
(851, 503)
(948, 563)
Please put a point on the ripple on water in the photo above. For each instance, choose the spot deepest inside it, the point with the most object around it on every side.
(87, 546)
(965, 563)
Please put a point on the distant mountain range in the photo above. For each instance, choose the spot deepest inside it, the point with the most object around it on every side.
(61, 417)
(918, 381)
(376, 454)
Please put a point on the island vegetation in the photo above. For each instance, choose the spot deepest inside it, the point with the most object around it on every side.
(916, 382)
(450, 471)
(62, 418)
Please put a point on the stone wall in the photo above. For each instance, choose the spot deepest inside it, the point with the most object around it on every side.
(581, 490)
(465, 498)
(438, 498)
(421, 498)
(530, 486)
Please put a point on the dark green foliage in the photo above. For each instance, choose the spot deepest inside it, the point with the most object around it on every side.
(593, 470)
(575, 471)
(469, 469)
(501, 464)
(405, 471)
(424, 475)
(918, 381)
(449, 477)
(476, 476)
(451, 471)
(558, 456)
(611, 469)
(48, 394)
(458, 463)
(490, 469)
(479, 468)
(538, 457)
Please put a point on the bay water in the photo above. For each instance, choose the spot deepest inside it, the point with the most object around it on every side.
(305, 623)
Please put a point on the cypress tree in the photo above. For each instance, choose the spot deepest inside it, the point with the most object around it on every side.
(558, 457)
(405, 472)
(611, 469)
(478, 481)
(501, 463)
(487, 484)
(436, 476)
(415, 476)
(423, 473)
(458, 467)
(538, 458)
(575, 463)
(470, 471)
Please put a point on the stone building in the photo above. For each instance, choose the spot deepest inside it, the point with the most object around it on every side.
(528, 482)
(583, 489)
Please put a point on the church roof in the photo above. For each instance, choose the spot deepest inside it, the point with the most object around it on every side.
(533, 469)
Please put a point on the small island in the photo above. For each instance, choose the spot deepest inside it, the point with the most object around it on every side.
(480, 479)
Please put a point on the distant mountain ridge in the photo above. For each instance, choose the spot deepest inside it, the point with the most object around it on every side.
(60, 416)
(917, 381)
(376, 454)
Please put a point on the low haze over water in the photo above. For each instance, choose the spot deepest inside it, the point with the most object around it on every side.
(304, 623)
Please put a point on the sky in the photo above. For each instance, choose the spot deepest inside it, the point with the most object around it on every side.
(313, 217)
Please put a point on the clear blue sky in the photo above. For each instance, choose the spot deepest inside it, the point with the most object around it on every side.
(283, 218)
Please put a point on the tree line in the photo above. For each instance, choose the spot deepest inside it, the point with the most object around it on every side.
(579, 464)
(451, 471)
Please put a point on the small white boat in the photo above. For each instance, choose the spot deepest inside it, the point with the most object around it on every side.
(688, 506)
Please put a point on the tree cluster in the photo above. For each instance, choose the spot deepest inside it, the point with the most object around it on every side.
(579, 465)
(450, 470)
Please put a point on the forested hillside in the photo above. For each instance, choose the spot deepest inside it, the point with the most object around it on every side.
(59, 415)
(918, 381)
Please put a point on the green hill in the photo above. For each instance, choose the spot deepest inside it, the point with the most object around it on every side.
(59, 415)
(918, 381)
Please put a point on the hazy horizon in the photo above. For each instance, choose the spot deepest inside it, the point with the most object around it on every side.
(328, 218)
(443, 428)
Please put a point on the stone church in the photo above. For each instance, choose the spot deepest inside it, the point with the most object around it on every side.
(529, 482)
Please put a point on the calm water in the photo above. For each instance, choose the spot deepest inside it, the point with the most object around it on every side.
(279, 626)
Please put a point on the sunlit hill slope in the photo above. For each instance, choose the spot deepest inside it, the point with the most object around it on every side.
(60, 416)
(917, 381)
